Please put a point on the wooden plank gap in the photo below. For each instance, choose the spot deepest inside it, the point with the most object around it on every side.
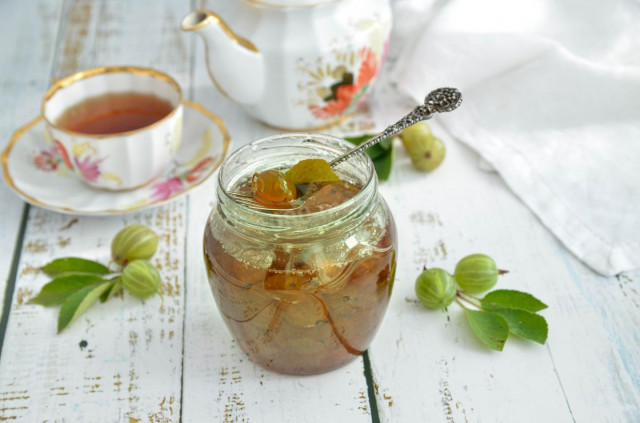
(184, 305)
(564, 394)
(192, 70)
(58, 46)
(13, 275)
(373, 403)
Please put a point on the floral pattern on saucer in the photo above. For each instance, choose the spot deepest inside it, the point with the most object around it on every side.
(53, 158)
(39, 168)
(165, 189)
(48, 160)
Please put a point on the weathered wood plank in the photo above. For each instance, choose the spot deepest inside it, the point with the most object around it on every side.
(219, 381)
(122, 358)
(29, 30)
(114, 32)
(596, 339)
(587, 370)
(129, 366)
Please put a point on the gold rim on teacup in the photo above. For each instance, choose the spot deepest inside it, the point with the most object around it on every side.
(87, 73)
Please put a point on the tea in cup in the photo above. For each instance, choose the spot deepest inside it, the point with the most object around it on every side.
(116, 127)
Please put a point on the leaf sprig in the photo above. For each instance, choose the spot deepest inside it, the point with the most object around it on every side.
(493, 317)
(502, 312)
(77, 283)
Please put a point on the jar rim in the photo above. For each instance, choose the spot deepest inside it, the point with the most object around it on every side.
(332, 147)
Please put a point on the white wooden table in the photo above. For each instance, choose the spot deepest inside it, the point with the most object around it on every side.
(129, 361)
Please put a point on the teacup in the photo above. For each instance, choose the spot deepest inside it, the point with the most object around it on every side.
(121, 160)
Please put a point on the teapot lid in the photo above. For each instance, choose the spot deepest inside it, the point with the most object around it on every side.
(291, 3)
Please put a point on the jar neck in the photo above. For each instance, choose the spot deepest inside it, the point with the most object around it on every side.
(262, 155)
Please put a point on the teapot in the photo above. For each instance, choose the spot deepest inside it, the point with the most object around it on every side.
(295, 64)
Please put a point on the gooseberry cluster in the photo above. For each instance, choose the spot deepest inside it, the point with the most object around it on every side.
(77, 282)
(501, 312)
(132, 247)
(426, 150)
(436, 288)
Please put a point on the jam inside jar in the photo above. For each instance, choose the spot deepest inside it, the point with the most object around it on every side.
(302, 290)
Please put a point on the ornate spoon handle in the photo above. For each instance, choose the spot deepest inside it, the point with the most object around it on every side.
(440, 100)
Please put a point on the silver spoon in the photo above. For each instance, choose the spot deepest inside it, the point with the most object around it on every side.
(438, 101)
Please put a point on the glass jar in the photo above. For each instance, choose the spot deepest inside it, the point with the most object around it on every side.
(302, 293)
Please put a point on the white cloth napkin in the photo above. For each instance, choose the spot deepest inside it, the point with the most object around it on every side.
(552, 101)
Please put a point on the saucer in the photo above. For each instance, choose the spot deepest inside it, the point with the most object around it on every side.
(35, 169)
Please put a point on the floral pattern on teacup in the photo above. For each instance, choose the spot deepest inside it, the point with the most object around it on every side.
(63, 153)
(88, 167)
(86, 163)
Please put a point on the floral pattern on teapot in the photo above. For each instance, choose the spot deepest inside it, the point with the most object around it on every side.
(339, 89)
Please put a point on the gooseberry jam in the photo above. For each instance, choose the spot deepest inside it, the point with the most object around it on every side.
(302, 290)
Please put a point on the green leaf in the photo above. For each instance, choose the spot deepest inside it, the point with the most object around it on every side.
(383, 165)
(79, 302)
(66, 274)
(359, 140)
(380, 149)
(509, 298)
(116, 286)
(491, 329)
(525, 324)
(57, 291)
(74, 265)
(381, 154)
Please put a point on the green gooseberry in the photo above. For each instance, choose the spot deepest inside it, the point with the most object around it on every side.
(141, 278)
(132, 243)
(435, 288)
(476, 273)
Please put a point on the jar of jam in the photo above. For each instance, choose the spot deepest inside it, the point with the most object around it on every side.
(302, 290)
